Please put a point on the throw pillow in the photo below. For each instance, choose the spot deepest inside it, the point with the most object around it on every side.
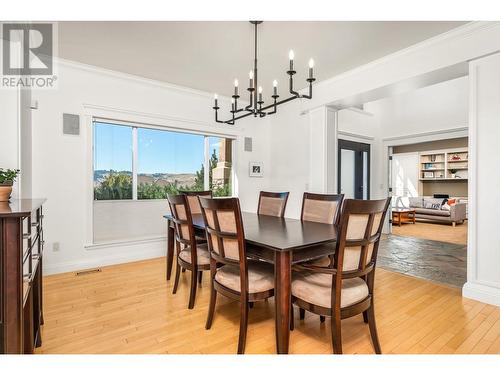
(452, 201)
(433, 203)
(446, 207)
(416, 202)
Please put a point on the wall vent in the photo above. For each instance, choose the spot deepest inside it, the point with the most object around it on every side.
(86, 272)
(71, 124)
(248, 144)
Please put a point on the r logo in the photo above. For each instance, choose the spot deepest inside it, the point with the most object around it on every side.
(30, 49)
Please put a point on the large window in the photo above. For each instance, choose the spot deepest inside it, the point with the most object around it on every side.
(132, 162)
(136, 167)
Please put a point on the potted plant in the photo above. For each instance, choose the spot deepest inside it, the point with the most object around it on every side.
(7, 178)
(453, 173)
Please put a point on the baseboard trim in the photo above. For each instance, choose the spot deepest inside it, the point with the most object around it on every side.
(93, 261)
(482, 293)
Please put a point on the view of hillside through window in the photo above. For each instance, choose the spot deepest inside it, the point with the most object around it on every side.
(167, 162)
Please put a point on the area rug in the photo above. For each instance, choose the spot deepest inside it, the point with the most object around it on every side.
(441, 262)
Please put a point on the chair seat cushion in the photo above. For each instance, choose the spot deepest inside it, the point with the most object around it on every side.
(260, 277)
(203, 256)
(316, 288)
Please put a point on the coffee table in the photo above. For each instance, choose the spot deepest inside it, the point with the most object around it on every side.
(403, 215)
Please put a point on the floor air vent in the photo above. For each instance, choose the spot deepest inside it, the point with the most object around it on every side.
(86, 272)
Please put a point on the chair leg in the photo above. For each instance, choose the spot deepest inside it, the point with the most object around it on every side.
(302, 313)
(322, 318)
(373, 329)
(200, 275)
(177, 275)
(183, 270)
(211, 307)
(250, 304)
(365, 316)
(336, 334)
(292, 323)
(192, 293)
(243, 327)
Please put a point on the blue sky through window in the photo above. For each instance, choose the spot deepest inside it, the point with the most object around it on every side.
(159, 151)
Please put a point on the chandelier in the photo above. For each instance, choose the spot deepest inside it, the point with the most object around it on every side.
(257, 107)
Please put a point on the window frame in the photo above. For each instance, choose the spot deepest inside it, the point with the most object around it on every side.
(139, 125)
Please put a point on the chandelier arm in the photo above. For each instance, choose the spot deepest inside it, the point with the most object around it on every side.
(249, 106)
(216, 118)
(292, 91)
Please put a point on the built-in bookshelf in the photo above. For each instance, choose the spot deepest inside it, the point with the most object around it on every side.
(440, 165)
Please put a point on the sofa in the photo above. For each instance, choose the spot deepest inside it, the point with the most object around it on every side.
(435, 209)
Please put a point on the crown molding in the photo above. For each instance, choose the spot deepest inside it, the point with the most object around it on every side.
(138, 79)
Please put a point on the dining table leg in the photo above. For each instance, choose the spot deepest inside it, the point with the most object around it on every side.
(170, 248)
(282, 294)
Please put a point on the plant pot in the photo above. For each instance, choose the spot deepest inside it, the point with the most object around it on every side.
(5, 191)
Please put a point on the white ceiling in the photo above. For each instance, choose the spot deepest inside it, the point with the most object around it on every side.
(209, 55)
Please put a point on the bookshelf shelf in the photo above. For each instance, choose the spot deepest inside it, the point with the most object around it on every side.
(444, 165)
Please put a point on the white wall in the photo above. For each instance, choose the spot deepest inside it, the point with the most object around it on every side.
(483, 276)
(62, 164)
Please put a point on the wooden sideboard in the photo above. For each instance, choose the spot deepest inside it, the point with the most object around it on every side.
(21, 254)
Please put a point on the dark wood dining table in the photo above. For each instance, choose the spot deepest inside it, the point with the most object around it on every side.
(281, 242)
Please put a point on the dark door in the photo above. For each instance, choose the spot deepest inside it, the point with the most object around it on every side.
(354, 169)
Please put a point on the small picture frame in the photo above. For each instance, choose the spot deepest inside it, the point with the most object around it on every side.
(255, 169)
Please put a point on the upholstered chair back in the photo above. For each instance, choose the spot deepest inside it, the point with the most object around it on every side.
(192, 198)
(321, 208)
(272, 204)
(359, 234)
(224, 229)
(183, 222)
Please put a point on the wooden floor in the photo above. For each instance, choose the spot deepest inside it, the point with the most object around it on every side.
(130, 308)
(434, 231)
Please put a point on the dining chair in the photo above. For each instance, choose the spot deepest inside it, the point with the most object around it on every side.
(194, 206)
(272, 204)
(194, 256)
(345, 288)
(321, 208)
(192, 197)
(238, 278)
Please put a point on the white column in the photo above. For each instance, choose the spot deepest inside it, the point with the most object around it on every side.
(323, 150)
(483, 255)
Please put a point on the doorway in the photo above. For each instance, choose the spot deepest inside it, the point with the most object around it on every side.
(353, 169)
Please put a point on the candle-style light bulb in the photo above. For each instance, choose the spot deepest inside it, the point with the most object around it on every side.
(291, 56)
(260, 93)
(215, 98)
(311, 66)
(236, 87)
(275, 83)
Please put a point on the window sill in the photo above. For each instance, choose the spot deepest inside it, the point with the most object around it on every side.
(128, 242)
